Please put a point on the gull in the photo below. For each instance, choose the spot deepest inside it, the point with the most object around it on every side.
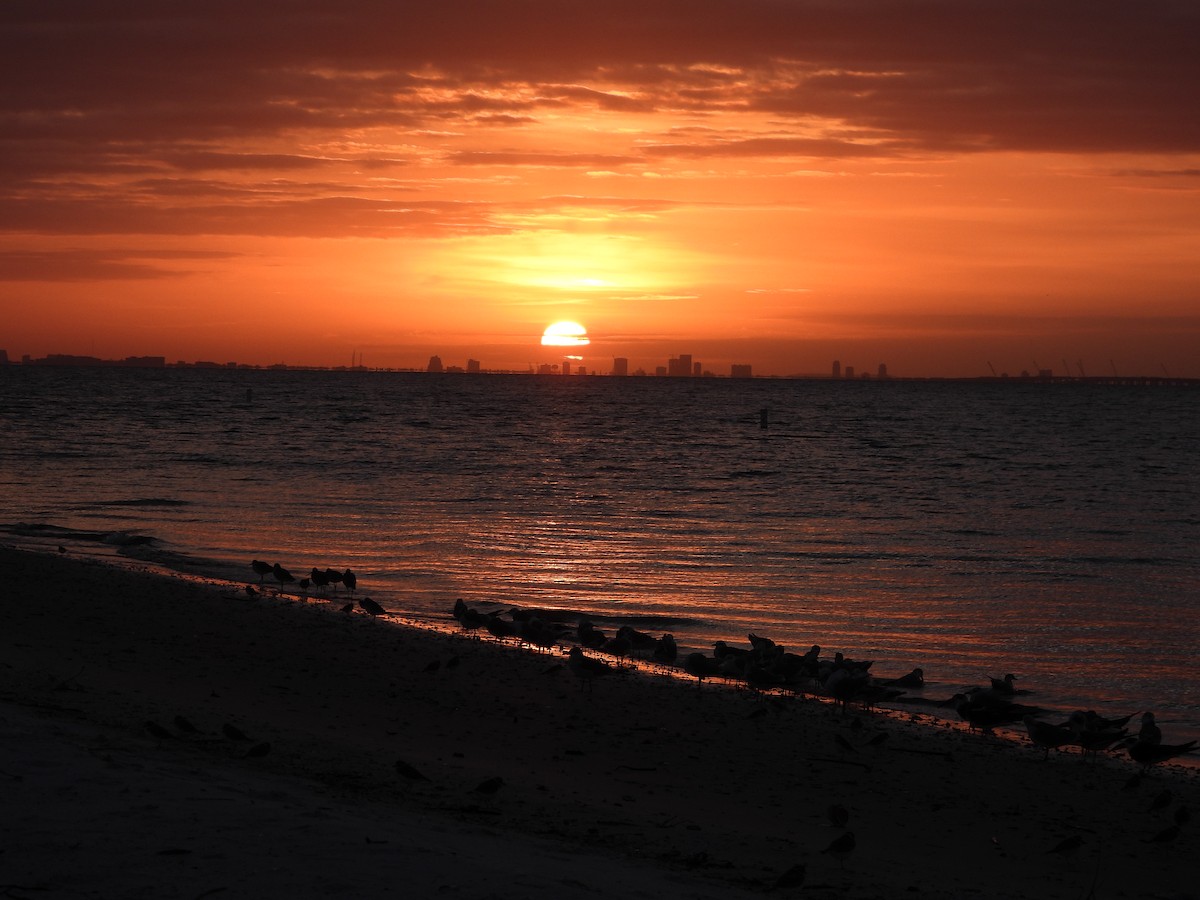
(1067, 846)
(590, 636)
(638, 640)
(157, 731)
(1161, 800)
(408, 771)
(499, 628)
(262, 568)
(840, 848)
(1152, 754)
(1004, 685)
(792, 878)
(1149, 732)
(489, 786)
(700, 666)
(319, 579)
(1048, 736)
(1167, 834)
(371, 606)
(282, 575)
(914, 679)
(1091, 735)
(838, 815)
(666, 651)
(586, 669)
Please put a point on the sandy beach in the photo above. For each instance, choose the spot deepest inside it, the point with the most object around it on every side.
(641, 786)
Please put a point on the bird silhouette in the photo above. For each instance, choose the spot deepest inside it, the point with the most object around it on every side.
(489, 786)
(838, 815)
(1166, 835)
(1161, 800)
(1067, 846)
(840, 848)
(185, 726)
(586, 669)
(157, 731)
(792, 878)
(233, 732)
(350, 580)
(408, 771)
(371, 606)
(282, 575)
(258, 750)
(263, 569)
(1152, 754)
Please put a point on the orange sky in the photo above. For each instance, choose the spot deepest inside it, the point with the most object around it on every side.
(933, 185)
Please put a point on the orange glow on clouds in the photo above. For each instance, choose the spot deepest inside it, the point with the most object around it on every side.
(746, 181)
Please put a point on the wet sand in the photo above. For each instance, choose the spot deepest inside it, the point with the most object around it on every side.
(643, 786)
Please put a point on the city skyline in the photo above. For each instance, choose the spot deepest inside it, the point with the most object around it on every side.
(948, 188)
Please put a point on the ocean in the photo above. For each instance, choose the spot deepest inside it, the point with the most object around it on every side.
(972, 528)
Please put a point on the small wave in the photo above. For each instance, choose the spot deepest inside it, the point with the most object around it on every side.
(58, 532)
(147, 501)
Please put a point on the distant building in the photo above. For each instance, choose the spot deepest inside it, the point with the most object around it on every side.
(738, 370)
(660, 370)
(566, 368)
(849, 371)
(681, 366)
(3, 357)
(473, 366)
(697, 370)
(620, 365)
(837, 368)
(435, 364)
(883, 370)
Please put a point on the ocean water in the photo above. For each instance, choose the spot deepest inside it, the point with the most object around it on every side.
(970, 528)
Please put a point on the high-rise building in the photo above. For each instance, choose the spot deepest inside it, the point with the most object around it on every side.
(620, 365)
(837, 368)
(435, 364)
(681, 366)
(849, 371)
(738, 370)
(473, 366)
(883, 370)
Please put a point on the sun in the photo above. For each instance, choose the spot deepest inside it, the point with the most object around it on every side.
(565, 334)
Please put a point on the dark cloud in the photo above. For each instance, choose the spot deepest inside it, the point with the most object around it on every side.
(1104, 76)
(94, 93)
(96, 265)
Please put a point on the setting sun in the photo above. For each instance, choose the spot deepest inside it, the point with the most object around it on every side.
(565, 334)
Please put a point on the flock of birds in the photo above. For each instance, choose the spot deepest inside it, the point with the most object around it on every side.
(766, 665)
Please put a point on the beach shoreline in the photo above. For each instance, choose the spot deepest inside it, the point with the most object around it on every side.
(637, 785)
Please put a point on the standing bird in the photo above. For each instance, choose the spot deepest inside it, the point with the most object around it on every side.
(350, 580)
(1004, 685)
(319, 579)
(263, 569)
(792, 878)
(842, 847)
(282, 575)
(489, 786)
(1149, 733)
(585, 668)
(371, 606)
(700, 666)
(1152, 754)
(1047, 735)
(666, 650)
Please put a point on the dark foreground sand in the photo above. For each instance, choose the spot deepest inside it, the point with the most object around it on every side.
(644, 787)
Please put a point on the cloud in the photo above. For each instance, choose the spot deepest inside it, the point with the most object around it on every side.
(96, 265)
